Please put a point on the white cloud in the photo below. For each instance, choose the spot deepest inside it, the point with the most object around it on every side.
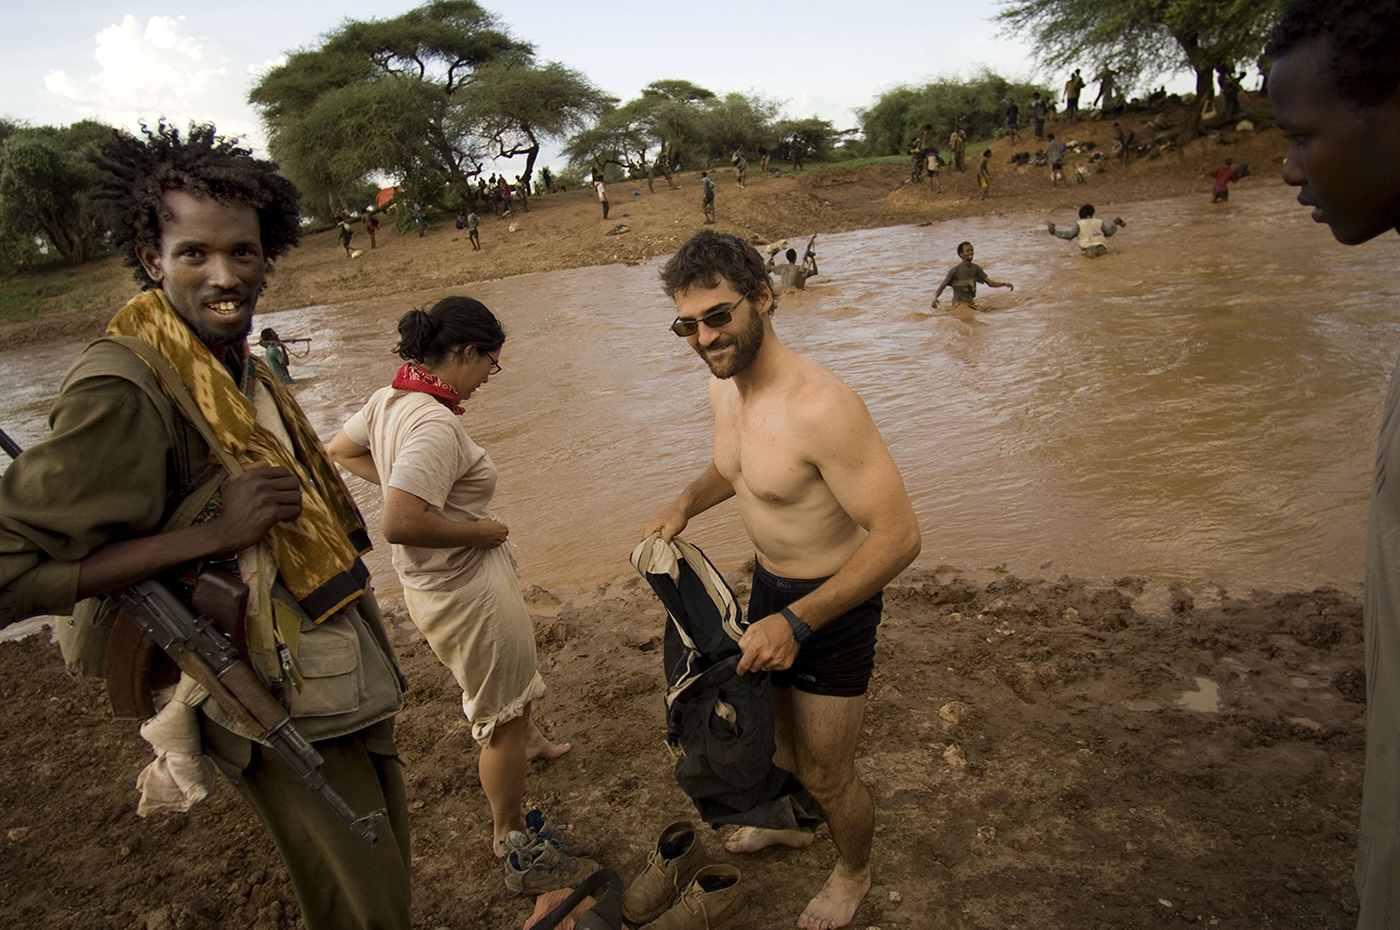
(147, 73)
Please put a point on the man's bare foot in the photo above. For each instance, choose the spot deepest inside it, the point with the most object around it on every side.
(752, 839)
(836, 903)
(537, 747)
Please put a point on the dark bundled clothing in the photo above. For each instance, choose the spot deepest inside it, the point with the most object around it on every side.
(719, 724)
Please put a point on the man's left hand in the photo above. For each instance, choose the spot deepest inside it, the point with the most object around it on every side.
(768, 646)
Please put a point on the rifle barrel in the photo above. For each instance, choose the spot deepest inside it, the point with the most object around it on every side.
(11, 447)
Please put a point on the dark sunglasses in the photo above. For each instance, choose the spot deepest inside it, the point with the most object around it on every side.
(684, 326)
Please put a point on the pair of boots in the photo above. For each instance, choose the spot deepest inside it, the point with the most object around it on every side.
(678, 891)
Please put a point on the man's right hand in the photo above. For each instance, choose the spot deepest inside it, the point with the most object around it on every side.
(669, 525)
(253, 502)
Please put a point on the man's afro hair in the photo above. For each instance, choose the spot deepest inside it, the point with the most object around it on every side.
(136, 172)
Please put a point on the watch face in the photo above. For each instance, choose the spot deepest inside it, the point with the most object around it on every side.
(800, 631)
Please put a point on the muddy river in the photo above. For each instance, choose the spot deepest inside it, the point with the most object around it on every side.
(1201, 404)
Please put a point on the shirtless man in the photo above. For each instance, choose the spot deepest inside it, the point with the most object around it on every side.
(964, 277)
(793, 274)
(825, 506)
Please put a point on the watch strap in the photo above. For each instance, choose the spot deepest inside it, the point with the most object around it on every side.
(800, 631)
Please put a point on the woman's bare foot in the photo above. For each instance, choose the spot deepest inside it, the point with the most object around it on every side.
(537, 747)
(836, 903)
(752, 839)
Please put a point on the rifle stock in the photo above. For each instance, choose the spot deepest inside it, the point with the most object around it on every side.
(195, 642)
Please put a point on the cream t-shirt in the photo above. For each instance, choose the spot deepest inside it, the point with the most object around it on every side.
(421, 447)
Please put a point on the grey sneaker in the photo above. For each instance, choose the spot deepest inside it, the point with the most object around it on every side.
(678, 855)
(540, 826)
(714, 900)
(535, 867)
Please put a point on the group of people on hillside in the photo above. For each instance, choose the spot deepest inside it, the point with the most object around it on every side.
(173, 454)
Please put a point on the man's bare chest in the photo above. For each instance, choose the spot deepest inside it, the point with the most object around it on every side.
(757, 452)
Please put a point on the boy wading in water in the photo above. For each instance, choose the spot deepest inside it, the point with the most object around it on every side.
(964, 277)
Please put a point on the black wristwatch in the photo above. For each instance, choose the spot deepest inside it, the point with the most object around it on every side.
(800, 631)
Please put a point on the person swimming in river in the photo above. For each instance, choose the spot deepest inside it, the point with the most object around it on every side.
(964, 277)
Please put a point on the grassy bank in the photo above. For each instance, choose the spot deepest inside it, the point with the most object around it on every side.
(98, 285)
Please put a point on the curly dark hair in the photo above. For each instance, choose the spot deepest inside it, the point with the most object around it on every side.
(136, 172)
(1364, 49)
(710, 256)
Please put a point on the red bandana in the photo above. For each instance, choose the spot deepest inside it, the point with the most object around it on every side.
(412, 377)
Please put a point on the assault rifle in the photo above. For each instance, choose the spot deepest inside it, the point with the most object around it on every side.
(204, 643)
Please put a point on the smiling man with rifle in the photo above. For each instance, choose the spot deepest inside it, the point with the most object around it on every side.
(177, 465)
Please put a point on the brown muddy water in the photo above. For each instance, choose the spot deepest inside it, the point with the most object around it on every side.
(1199, 405)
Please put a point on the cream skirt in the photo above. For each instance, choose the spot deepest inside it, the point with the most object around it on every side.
(482, 633)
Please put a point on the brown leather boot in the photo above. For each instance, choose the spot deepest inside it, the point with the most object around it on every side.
(714, 900)
(679, 854)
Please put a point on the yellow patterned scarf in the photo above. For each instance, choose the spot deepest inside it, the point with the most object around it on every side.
(317, 554)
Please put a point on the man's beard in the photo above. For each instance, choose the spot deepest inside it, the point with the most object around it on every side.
(745, 349)
(217, 340)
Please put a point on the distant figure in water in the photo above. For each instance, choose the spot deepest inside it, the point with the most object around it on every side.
(1092, 233)
(275, 352)
(964, 277)
(793, 274)
(1223, 176)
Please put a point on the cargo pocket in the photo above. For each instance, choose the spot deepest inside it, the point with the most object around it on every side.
(328, 658)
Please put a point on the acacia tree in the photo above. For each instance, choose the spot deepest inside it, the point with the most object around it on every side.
(738, 121)
(977, 106)
(685, 123)
(45, 179)
(513, 105)
(423, 97)
(1147, 37)
(816, 136)
(619, 137)
(672, 111)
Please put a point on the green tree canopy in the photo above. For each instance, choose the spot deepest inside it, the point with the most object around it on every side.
(817, 137)
(898, 116)
(675, 122)
(45, 179)
(737, 122)
(512, 106)
(424, 97)
(620, 137)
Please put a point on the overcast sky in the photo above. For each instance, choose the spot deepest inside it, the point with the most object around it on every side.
(143, 59)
